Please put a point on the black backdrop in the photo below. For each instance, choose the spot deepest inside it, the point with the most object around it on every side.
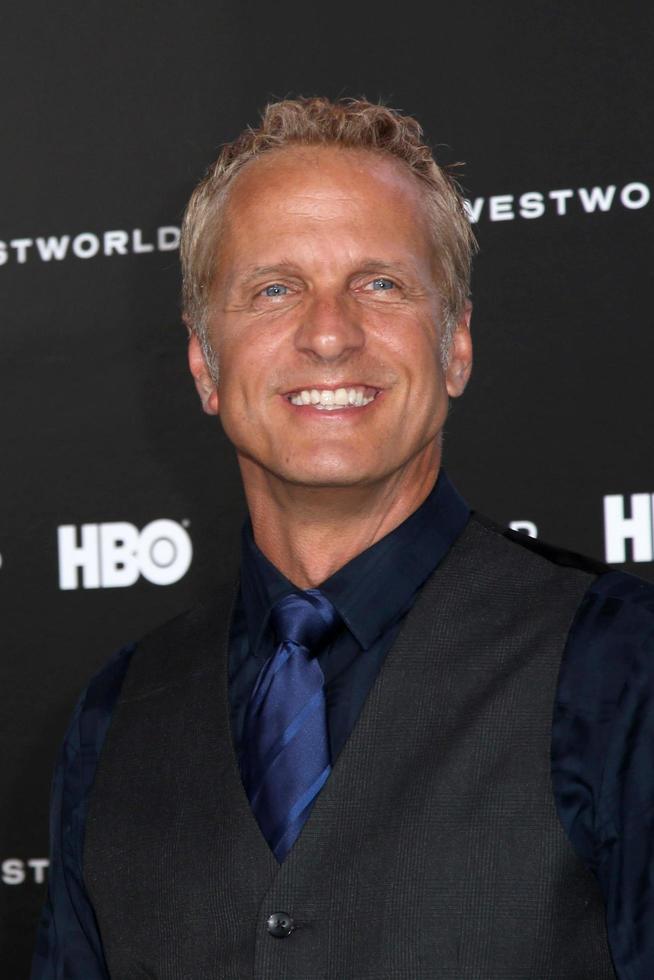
(111, 112)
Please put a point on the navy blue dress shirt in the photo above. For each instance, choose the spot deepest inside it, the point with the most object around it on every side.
(602, 735)
(392, 570)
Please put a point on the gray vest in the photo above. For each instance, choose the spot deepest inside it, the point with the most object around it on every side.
(434, 851)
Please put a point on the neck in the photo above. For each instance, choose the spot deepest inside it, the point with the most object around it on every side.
(308, 532)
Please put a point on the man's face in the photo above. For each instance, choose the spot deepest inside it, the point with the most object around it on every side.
(326, 320)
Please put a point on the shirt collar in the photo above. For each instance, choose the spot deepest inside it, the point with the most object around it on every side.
(376, 587)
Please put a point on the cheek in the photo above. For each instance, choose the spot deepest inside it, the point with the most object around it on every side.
(252, 347)
(407, 333)
(416, 353)
(245, 393)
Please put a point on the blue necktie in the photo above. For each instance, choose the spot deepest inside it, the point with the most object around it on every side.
(286, 748)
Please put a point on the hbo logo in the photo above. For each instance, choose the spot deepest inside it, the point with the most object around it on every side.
(637, 528)
(115, 554)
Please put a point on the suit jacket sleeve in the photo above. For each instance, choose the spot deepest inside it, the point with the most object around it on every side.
(603, 758)
(68, 945)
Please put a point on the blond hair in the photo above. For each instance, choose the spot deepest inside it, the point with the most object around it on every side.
(350, 124)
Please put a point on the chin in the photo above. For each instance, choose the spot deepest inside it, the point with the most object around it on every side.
(328, 477)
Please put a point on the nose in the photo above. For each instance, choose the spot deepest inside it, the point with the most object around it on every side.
(330, 329)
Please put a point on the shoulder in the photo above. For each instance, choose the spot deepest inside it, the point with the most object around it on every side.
(92, 713)
(149, 662)
(180, 645)
(613, 628)
(184, 645)
(610, 639)
(534, 551)
(603, 716)
(523, 573)
(611, 642)
(524, 552)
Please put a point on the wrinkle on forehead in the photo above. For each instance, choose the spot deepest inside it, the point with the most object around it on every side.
(364, 202)
(338, 169)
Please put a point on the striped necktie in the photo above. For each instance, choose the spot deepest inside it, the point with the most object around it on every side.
(286, 747)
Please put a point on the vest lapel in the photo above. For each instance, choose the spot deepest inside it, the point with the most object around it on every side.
(386, 721)
(235, 821)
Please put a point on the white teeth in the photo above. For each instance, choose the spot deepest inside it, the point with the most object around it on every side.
(328, 399)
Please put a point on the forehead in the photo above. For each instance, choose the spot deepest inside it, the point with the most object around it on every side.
(323, 187)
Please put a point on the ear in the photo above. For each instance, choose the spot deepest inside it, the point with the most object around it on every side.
(204, 383)
(459, 364)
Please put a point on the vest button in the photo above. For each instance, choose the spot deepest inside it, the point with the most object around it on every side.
(280, 924)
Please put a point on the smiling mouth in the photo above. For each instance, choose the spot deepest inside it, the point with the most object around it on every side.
(330, 399)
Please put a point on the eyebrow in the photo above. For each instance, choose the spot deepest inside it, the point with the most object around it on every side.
(380, 265)
(290, 268)
(261, 271)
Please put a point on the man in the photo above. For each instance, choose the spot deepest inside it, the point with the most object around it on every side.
(409, 744)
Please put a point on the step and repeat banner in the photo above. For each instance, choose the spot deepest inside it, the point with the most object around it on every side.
(121, 500)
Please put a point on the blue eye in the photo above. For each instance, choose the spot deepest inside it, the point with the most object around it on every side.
(382, 283)
(275, 290)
